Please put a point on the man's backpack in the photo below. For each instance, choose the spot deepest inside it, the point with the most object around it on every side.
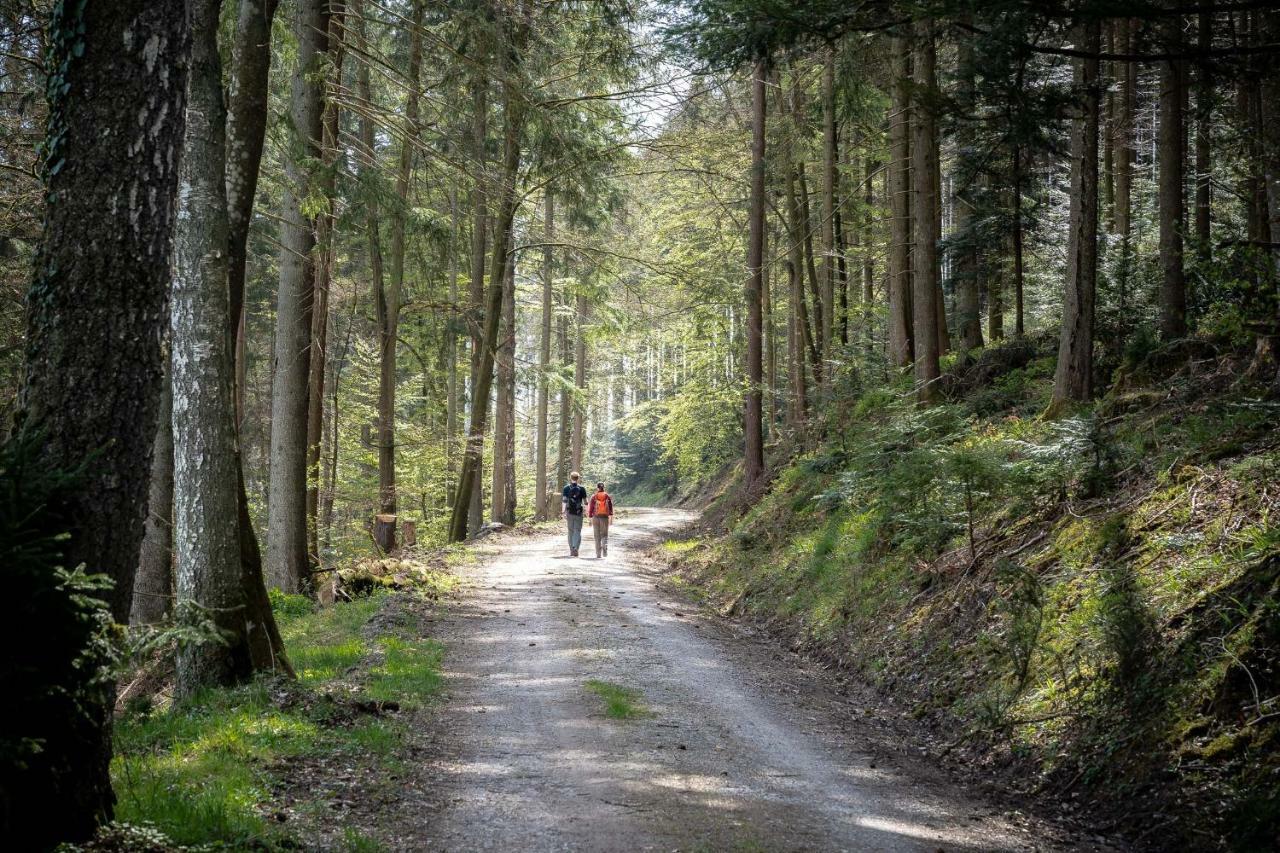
(573, 500)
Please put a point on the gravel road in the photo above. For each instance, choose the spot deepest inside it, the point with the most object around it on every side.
(739, 750)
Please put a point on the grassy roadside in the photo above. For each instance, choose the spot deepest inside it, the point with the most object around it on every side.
(212, 770)
(1090, 600)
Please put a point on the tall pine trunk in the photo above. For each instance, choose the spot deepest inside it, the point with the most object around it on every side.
(1170, 142)
(247, 80)
(1073, 380)
(925, 205)
(288, 566)
(479, 241)
(541, 505)
(504, 415)
(1205, 97)
(513, 121)
(753, 406)
(829, 158)
(898, 187)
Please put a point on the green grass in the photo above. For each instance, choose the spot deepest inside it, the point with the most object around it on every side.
(620, 703)
(202, 772)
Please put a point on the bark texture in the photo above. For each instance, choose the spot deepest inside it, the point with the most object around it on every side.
(1074, 377)
(898, 188)
(153, 586)
(542, 506)
(206, 534)
(927, 216)
(288, 566)
(1171, 144)
(753, 408)
(101, 275)
(246, 130)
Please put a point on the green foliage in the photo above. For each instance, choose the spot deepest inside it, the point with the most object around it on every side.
(61, 643)
(701, 431)
(620, 703)
(201, 772)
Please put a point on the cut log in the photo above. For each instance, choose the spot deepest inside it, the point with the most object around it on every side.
(384, 532)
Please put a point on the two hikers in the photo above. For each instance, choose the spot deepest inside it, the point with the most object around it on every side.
(574, 504)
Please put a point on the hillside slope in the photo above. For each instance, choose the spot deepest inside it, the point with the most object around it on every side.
(1091, 602)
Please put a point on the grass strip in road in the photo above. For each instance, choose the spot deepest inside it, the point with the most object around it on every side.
(620, 703)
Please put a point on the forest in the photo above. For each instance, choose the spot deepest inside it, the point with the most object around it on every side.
(933, 343)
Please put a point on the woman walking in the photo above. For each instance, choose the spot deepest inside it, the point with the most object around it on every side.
(600, 512)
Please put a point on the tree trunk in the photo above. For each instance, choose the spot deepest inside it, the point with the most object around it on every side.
(205, 509)
(901, 335)
(753, 406)
(1171, 211)
(327, 251)
(451, 353)
(564, 444)
(576, 447)
(288, 566)
(1019, 314)
(1124, 174)
(479, 240)
(1073, 380)
(153, 587)
(968, 312)
(1204, 141)
(829, 155)
(865, 224)
(513, 119)
(246, 131)
(112, 149)
(504, 415)
(541, 506)
(925, 205)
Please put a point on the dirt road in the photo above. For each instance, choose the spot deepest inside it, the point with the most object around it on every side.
(737, 752)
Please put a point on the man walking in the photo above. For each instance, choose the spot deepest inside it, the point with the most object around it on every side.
(601, 513)
(572, 505)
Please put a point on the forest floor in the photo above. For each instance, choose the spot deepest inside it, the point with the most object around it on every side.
(584, 708)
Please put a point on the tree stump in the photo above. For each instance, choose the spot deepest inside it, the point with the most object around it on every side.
(408, 533)
(384, 532)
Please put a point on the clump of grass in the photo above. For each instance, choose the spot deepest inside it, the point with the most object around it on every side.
(620, 703)
(202, 771)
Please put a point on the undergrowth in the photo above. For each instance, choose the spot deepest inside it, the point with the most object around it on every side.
(1093, 598)
(204, 772)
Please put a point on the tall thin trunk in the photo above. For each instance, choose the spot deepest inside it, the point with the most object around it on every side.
(513, 120)
(925, 198)
(153, 587)
(1204, 140)
(865, 225)
(1170, 142)
(1124, 159)
(479, 241)
(205, 510)
(829, 158)
(502, 509)
(565, 439)
(451, 352)
(768, 322)
(577, 450)
(287, 564)
(324, 276)
(753, 407)
(246, 131)
(1016, 233)
(898, 188)
(1074, 377)
(96, 308)
(968, 311)
(541, 505)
